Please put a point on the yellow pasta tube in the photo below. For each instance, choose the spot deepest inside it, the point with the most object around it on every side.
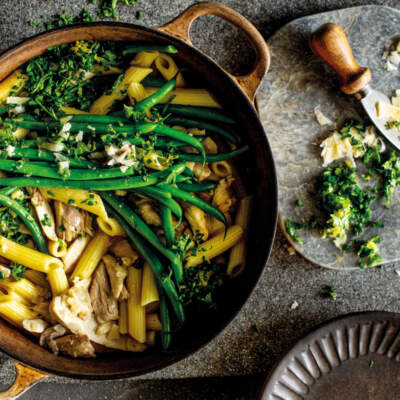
(58, 280)
(151, 338)
(24, 288)
(36, 277)
(153, 322)
(12, 84)
(136, 92)
(237, 256)
(57, 248)
(133, 74)
(74, 251)
(96, 249)
(145, 58)
(136, 312)
(221, 168)
(80, 198)
(188, 97)
(72, 110)
(14, 311)
(168, 69)
(111, 227)
(28, 257)
(123, 317)
(217, 245)
(149, 287)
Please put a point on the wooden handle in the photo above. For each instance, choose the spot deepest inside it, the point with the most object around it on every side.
(330, 43)
(25, 378)
(180, 28)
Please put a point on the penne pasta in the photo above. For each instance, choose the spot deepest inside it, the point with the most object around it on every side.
(110, 226)
(72, 110)
(221, 168)
(28, 257)
(37, 278)
(80, 198)
(149, 293)
(23, 288)
(57, 248)
(14, 311)
(136, 312)
(219, 244)
(104, 103)
(237, 256)
(151, 338)
(136, 92)
(91, 257)
(168, 69)
(123, 317)
(58, 280)
(153, 322)
(144, 59)
(12, 84)
(74, 251)
(188, 97)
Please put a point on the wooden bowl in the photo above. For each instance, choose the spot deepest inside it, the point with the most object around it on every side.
(236, 94)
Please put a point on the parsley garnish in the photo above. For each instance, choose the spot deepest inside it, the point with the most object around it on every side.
(17, 271)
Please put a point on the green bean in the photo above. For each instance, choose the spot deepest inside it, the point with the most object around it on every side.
(168, 48)
(212, 157)
(166, 335)
(197, 187)
(141, 127)
(168, 226)
(7, 191)
(156, 97)
(45, 155)
(153, 81)
(202, 125)
(28, 219)
(100, 185)
(47, 170)
(162, 197)
(161, 276)
(135, 222)
(181, 136)
(190, 198)
(96, 119)
(209, 114)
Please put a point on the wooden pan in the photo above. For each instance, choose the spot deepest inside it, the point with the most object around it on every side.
(236, 94)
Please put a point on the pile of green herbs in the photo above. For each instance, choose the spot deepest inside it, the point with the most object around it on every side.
(345, 203)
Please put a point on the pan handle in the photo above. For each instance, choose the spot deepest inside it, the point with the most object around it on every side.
(180, 28)
(25, 378)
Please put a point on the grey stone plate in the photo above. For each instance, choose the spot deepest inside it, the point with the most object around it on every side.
(295, 85)
(356, 357)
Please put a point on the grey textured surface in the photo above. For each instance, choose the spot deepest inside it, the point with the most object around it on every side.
(297, 83)
(240, 349)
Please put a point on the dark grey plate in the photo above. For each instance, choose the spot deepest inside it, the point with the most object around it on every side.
(355, 357)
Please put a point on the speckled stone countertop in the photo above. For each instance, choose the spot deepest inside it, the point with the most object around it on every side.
(234, 364)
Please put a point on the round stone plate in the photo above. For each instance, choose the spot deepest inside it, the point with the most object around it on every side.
(297, 83)
(355, 357)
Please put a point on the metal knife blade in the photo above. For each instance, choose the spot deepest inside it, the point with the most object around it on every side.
(369, 99)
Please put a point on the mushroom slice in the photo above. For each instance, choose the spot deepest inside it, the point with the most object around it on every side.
(44, 214)
(105, 305)
(75, 346)
(116, 273)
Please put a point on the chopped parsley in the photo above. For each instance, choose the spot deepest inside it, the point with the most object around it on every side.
(17, 271)
(46, 221)
(368, 252)
(291, 228)
(200, 285)
(332, 292)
